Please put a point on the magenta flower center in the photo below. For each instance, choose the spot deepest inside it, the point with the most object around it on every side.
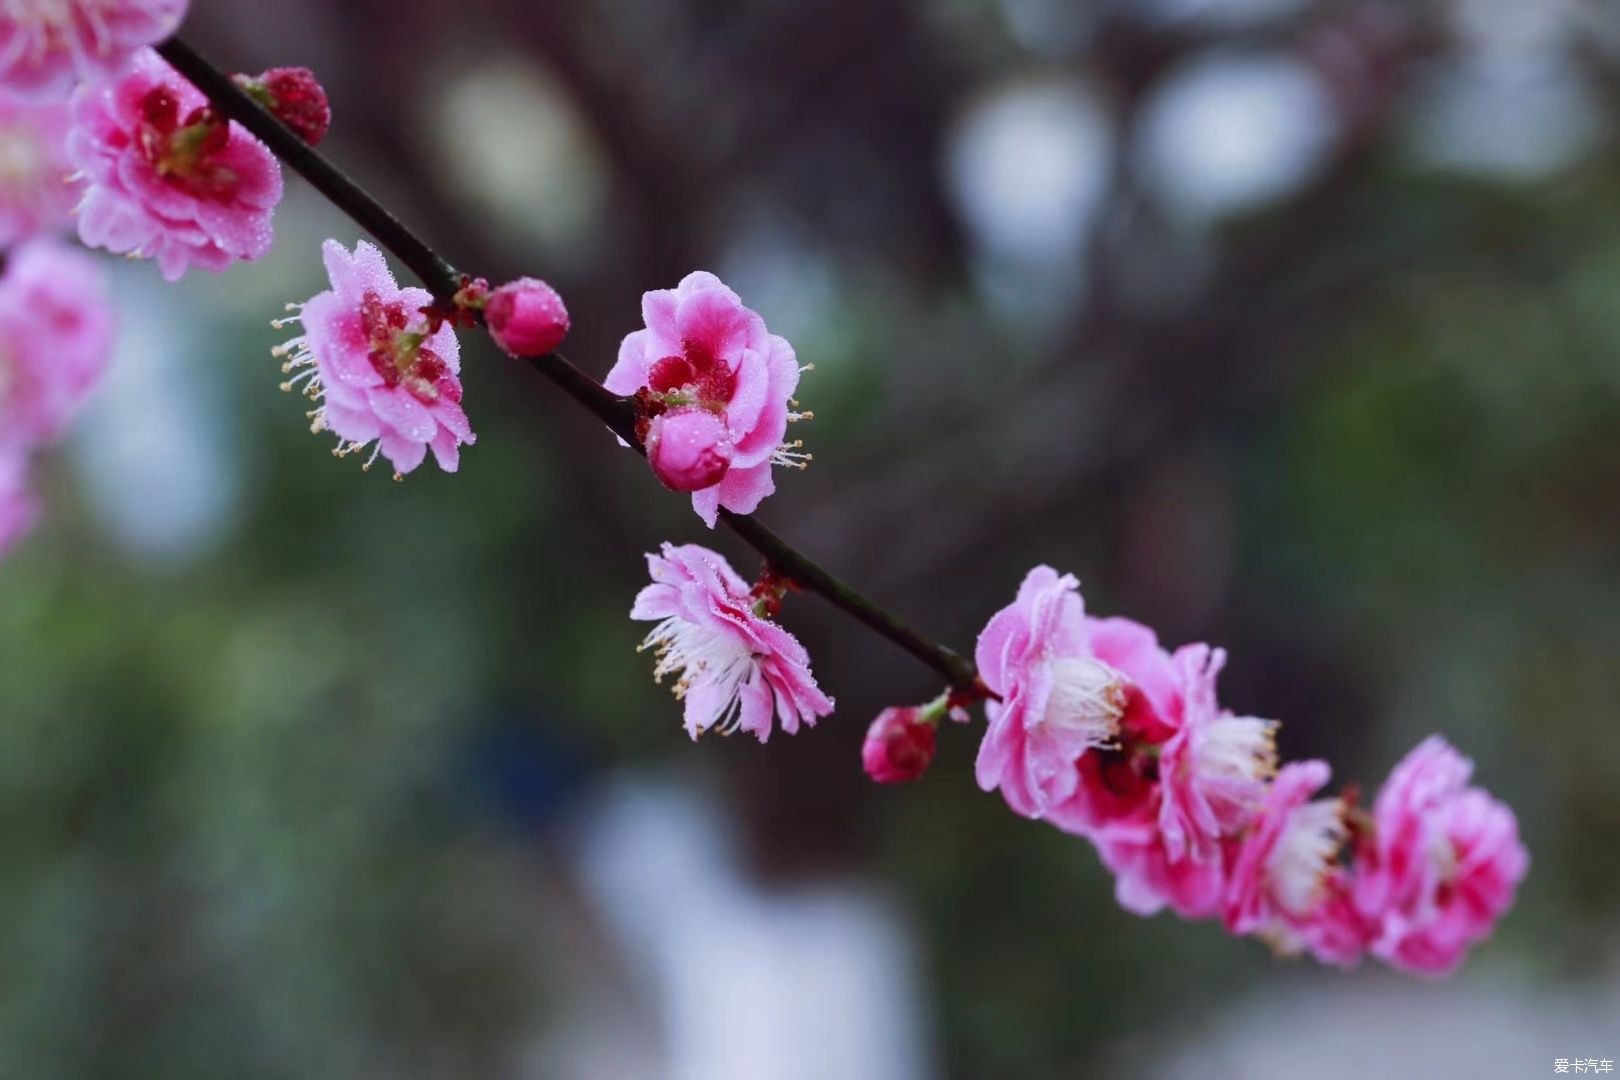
(696, 377)
(399, 354)
(184, 154)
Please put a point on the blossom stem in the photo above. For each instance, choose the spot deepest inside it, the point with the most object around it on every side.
(443, 281)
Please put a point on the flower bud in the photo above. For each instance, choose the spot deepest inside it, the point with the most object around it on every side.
(526, 317)
(688, 448)
(899, 745)
(296, 98)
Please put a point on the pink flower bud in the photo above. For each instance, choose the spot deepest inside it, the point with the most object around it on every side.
(899, 746)
(296, 98)
(527, 317)
(688, 448)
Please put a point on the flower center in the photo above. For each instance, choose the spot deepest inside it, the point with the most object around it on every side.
(695, 377)
(1087, 699)
(1442, 855)
(183, 153)
(1304, 854)
(1232, 758)
(400, 354)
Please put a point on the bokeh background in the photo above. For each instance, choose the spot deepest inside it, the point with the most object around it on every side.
(1290, 325)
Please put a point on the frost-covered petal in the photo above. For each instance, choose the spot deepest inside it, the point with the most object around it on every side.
(742, 490)
(629, 374)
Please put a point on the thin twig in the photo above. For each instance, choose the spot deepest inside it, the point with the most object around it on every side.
(443, 281)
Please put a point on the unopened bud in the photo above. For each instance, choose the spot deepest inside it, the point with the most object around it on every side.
(296, 98)
(688, 449)
(899, 745)
(526, 317)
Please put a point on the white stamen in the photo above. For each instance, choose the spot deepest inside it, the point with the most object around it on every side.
(1236, 750)
(1087, 699)
(691, 651)
(1299, 865)
(789, 455)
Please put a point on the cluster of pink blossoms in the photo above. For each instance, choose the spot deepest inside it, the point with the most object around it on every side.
(1093, 727)
(1099, 731)
(1096, 729)
(94, 126)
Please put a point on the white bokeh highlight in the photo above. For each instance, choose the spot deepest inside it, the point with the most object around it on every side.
(1231, 132)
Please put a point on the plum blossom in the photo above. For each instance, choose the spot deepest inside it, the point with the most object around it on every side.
(1286, 883)
(168, 178)
(703, 351)
(36, 195)
(56, 335)
(1442, 865)
(48, 45)
(736, 668)
(381, 374)
(1054, 702)
(18, 508)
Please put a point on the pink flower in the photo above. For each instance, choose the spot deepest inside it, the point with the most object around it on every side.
(168, 178)
(526, 317)
(47, 45)
(1057, 701)
(35, 193)
(367, 351)
(1287, 884)
(1442, 866)
(899, 745)
(18, 510)
(56, 334)
(737, 669)
(702, 348)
